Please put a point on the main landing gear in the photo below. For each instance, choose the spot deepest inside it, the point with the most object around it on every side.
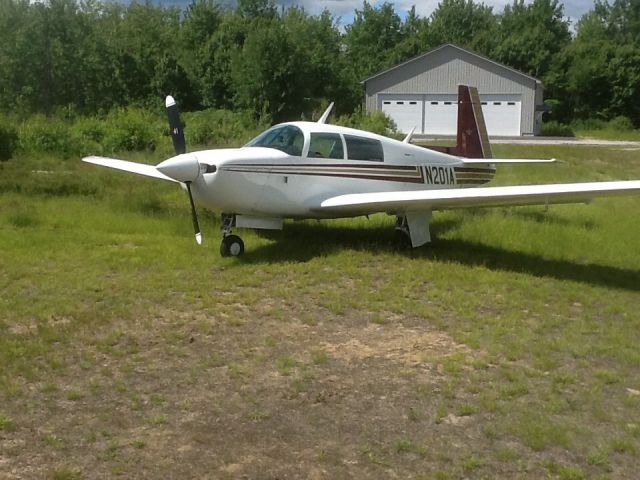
(413, 228)
(403, 236)
(232, 245)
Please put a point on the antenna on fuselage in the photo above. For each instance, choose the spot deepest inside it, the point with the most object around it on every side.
(325, 115)
(409, 136)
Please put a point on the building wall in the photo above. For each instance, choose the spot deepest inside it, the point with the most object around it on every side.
(442, 70)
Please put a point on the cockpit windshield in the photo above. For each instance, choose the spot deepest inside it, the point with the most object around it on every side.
(287, 138)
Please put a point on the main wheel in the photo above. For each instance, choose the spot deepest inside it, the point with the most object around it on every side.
(402, 240)
(231, 246)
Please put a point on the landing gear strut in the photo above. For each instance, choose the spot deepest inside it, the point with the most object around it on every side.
(232, 245)
(403, 236)
(414, 227)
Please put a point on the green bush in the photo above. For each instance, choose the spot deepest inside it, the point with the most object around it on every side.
(8, 141)
(41, 134)
(89, 133)
(556, 129)
(132, 129)
(620, 124)
(220, 127)
(376, 122)
(589, 124)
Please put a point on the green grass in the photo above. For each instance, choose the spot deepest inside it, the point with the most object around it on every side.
(608, 134)
(6, 424)
(506, 348)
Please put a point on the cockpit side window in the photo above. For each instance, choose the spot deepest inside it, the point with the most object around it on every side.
(326, 145)
(287, 138)
(360, 148)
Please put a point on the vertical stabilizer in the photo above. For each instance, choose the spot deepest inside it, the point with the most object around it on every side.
(472, 138)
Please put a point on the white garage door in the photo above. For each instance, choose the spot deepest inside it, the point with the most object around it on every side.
(501, 114)
(405, 110)
(437, 114)
(441, 114)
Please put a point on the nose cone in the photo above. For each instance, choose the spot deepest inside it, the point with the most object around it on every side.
(184, 168)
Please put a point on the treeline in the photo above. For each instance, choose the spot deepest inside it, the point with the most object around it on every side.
(89, 57)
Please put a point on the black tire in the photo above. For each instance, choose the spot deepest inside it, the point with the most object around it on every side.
(231, 246)
(402, 241)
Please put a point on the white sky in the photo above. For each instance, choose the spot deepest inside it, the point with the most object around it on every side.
(573, 9)
(344, 9)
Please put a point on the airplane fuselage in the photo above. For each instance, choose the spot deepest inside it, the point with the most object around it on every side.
(290, 181)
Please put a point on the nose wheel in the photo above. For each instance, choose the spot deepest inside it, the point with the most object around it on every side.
(232, 245)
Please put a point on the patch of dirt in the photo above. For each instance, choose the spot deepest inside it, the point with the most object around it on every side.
(396, 343)
(241, 393)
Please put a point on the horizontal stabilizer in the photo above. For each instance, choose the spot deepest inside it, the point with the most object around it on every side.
(133, 167)
(504, 161)
(444, 199)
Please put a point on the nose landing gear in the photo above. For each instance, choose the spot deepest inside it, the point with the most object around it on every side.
(231, 245)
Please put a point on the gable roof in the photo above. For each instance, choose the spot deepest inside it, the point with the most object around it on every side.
(455, 47)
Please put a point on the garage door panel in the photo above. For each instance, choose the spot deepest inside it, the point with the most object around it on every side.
(441, 114)
(502, 114)
(406, 111)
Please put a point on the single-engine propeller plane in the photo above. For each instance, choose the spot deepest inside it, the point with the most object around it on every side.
(316, 170)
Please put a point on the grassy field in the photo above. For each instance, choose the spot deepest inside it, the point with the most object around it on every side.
(508, 348)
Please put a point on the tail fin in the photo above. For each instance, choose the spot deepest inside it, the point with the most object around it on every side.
(472, 140)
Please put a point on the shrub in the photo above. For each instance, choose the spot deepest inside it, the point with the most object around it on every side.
(620, 124)
(220, 127)
(589, 124)
(556, 129)
(88, 133)
(41, 134)
(8, 141)
(376, 122)
(131, 129)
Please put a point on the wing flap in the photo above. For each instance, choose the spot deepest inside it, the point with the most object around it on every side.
(444, 199)
(124, 165)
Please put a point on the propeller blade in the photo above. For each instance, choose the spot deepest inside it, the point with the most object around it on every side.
(177, 133)
(194, 216)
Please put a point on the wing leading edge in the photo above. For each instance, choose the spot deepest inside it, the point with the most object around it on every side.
(423, 200)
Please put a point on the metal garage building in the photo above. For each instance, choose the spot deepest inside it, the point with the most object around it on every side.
(422, 93)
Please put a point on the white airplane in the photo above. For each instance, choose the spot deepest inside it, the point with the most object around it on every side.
(316, 170)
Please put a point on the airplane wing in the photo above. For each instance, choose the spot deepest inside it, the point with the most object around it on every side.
(133, 167)
(421, 200)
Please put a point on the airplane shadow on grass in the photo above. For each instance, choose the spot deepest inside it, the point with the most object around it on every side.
(303, 241)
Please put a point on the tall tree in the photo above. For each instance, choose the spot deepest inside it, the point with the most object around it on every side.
(202, 23)
(371, 39)
(288, 64)
(531, 35)
(414, 37)
(604, 72)
(623, 20)
(464, 23)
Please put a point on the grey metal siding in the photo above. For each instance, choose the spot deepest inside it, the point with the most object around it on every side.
(441, 71)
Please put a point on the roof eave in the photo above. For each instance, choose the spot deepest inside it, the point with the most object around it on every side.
(411, 60)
